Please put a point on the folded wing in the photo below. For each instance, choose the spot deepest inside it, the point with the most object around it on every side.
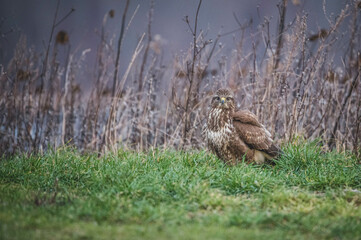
(253, 133)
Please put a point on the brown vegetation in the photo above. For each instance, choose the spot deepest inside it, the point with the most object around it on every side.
(295, 87)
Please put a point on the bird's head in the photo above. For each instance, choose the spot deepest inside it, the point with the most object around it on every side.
(223, 99)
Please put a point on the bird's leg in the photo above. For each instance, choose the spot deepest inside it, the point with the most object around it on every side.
(250, 155)
(243, 151)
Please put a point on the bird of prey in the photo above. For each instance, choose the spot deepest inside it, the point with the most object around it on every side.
(233, 135)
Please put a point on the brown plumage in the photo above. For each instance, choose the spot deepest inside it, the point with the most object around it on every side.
(232, 135)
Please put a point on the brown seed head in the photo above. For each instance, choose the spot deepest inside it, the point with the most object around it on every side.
(320, 35)
(62, 37)
(111, 13)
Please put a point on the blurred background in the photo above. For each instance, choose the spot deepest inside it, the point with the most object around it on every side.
(34, 19)
(100, 75)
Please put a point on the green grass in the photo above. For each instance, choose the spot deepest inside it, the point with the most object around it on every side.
(175, 195)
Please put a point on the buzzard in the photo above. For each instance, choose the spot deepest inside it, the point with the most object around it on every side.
(232, 135)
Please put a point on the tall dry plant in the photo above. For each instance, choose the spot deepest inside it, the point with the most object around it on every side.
(298, 83)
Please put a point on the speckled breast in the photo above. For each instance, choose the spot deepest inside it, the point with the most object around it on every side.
(220, 129)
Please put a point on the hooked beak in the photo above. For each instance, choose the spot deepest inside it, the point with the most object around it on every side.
(223, 100)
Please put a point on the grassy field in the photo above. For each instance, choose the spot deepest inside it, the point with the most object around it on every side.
(180, 195)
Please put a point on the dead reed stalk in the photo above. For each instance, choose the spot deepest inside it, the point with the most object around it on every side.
(294, 82)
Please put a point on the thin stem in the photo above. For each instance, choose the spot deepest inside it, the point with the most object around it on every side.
(120, 40)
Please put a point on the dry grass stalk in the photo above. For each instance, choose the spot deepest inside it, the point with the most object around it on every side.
(294, 85)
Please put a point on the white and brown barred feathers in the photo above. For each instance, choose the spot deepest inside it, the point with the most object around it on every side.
(233, 135)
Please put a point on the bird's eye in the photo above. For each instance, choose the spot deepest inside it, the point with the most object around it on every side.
(216, 98)
(228, 98)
